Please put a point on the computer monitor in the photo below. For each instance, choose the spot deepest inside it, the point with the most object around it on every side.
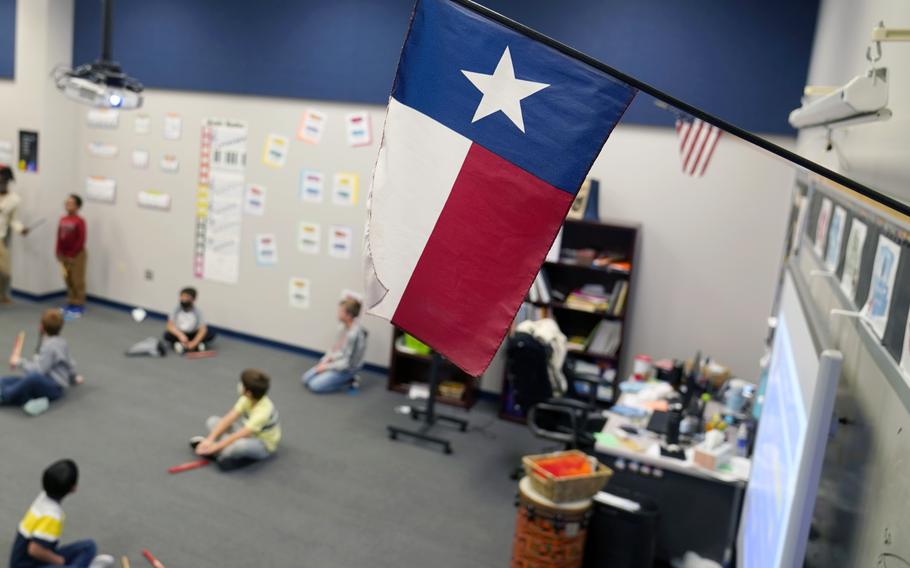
(790, 442)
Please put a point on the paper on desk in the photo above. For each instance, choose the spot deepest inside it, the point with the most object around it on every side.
(617, 502)
(607, 439)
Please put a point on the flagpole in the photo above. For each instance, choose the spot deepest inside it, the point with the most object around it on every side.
(689, 109)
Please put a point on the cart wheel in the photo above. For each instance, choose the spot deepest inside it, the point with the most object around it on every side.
(393, 436)
(448, 449)
(464, 428)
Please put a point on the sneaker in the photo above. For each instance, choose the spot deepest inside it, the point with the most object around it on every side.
(78, 380)
(201, 346)
(102, 561)
(69, 315)
(36, 406)
(179, 348)
(78, 309)
(196, 440)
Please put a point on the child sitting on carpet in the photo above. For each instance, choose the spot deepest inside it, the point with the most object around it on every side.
(47, 374)
(186, 329)
(338, 368)
(37, 541)
(256, 438)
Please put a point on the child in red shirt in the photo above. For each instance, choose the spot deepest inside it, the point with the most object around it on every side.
(72, 256)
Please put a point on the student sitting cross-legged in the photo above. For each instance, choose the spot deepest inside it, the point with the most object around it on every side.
(338, 368)
(47, 375)
(186, 329)
(37, 541)
(248, 432)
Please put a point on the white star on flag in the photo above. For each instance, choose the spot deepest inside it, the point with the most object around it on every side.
(502, 91)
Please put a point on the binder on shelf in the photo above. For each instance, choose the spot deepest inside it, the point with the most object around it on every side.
(620, 304)
(605, 338)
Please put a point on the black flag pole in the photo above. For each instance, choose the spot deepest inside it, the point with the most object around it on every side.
(691, 110)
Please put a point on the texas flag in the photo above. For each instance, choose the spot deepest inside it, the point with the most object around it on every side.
(488, 136)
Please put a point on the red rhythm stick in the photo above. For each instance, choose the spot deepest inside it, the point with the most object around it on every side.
(188, 466)
(152, 560)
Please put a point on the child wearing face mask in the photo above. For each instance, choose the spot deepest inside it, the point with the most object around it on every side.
(186, 329)
(248, 432)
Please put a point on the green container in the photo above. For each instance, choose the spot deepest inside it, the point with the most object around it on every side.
(416, 345)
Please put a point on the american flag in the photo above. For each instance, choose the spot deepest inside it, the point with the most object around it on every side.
(697, 140)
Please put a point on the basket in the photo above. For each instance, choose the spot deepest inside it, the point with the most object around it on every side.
(565, 489)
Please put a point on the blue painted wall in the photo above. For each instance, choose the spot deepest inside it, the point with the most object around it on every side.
(745, 62)
(7, 38)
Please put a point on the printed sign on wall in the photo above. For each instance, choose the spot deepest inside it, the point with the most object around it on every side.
(312, 184)
(344, 190)
(309, 236)
(312, 125)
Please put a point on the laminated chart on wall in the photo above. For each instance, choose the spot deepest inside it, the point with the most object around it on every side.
(299, 292)
(309, 237)
(154, 199)
(173, 126)
(28, 151)
(100, 189)
(345, 189)
(266, 249)
(169, 163)
(835, 238)
(254, 200)
(341, 241)
(821, 228)
(102, 150)
(140, 159)
(275, 152)
(6, 153)
(884, 271)
(219, 200)
(312, 186)
(853, 258)
(103, 118)
(142, 124)
(312, 126)
(358, 129)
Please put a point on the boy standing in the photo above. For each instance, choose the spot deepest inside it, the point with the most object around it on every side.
(186, 329)
(47, 374)
(72, 256)
(37, 541)
(337, 368)
(256, 438)
(9, 201)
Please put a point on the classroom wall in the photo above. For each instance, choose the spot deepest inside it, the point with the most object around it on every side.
(875, 154)
(31, 102)
(710, 247)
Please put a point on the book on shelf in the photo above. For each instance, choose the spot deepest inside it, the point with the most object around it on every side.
(620, 303)
(605, 338)
(529, 312)
(590, 298)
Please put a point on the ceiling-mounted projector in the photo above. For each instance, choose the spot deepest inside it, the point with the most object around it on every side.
(863, 99)
(102, 83)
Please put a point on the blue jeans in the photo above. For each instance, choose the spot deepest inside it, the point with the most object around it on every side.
(17, 391)
(78, 554)
(327, 381)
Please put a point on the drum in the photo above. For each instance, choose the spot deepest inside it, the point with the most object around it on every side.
(548, 534)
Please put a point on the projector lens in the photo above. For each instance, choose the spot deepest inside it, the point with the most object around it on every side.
(115, 100)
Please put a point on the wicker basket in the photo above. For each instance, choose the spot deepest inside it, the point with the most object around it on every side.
(565, 489)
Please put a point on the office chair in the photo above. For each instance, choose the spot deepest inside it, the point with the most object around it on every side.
(570, 419)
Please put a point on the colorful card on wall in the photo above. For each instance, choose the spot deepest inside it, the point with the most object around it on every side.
(154, 199)
(884, 270)
(28, 151)
(358, 126)
(173, 126)
(102, 150)
(312, 125)
(103, 118)
(821, 228)
(835, 237)
(312, 185)
(341, 241)
(140, 159)
(169, 163)
(299, 292)
(142, 124)
(344, 190)
(266, 249)
(309, 236)
(853, 258)
(6, 153)
(101, 189)
(275, 153)
(254, 200)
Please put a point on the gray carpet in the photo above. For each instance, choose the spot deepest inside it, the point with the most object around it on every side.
(339, 492)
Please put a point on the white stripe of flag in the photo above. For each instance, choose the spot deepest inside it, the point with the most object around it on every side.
(697, 140)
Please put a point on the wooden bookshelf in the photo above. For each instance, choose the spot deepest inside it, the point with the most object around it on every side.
(617, 240)
(407, 368)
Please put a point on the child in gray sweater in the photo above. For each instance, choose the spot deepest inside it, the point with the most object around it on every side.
(47, 375)
(337, 370)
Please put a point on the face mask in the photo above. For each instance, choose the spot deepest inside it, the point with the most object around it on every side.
(186, 305)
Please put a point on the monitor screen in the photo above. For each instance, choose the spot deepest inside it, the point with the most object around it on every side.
(790, 442)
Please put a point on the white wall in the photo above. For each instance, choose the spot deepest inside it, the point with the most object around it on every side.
(44, 37)
(875, 154)
(710, 249)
